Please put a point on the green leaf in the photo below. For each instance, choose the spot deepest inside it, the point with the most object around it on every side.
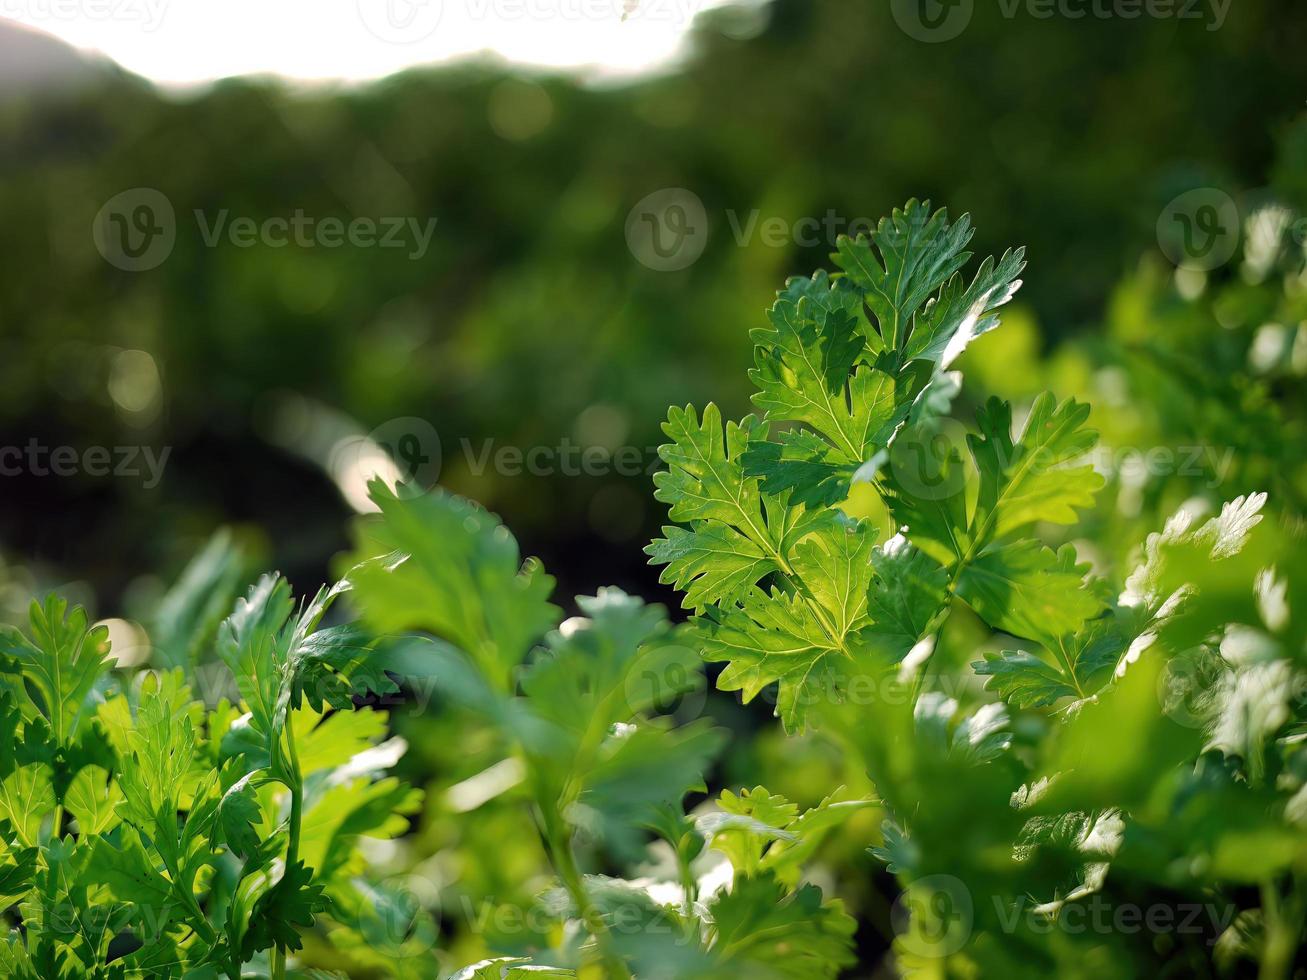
(834, 565)
(11, 723)
(973, 738)
(17, 872)
(254, 643)
(637, 770)
(26, 799)
(347, 810)
(609, 768)
(239, 814)
(761, 931)
(776, 638)
(189, 614)
(803, 365)
(580, 680)
(736, 536)
(1023, 480)
(915, 253)
(803, 641)
(744, 826)
(899, 853)
(62, 661)
(438, 563)
(1081, 665)
(324, 743)
(1117, 749)
(93, 799)
(283, 911)
(961, 313)
(710, 563)
(1026, 589)
(801, 465)
(909, 593)
(159, 772)
(908, 271)
(1160, 588)
(280, 661)
(703, 480)
(786, 857)
(1029, 479)
(1024, 680)
(761, 832)
(130, 874)
(511, 968)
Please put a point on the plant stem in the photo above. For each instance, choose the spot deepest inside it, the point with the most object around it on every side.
(293, 838)
(558, 847)
(1283, 918)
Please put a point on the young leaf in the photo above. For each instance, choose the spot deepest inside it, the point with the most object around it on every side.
(912, 260)
(1082, 664)
(909, 592)
(737, 535)
(441, 564)
(1026, 589)
(62, 661)
(776, 638)
(803, 366)
(1023, 480)
(762, 931)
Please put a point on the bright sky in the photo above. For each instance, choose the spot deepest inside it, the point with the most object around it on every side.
(189, 41)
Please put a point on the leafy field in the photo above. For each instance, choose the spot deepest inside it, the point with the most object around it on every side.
(1039, 666)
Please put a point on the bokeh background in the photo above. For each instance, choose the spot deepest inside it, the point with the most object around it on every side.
(272, 375)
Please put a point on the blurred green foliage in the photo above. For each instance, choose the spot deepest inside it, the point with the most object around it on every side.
(529, 321)
(1068, 136)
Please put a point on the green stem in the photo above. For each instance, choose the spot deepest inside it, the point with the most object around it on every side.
(558, 846)
(691, 889)
(1283, 918)
(296, 797)
(293, 839)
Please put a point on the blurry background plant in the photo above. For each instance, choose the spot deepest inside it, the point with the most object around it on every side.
(528, 322)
